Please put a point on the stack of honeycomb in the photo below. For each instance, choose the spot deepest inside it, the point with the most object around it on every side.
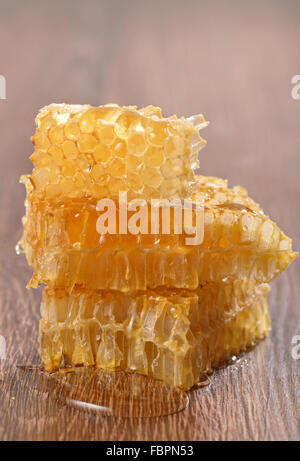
(150, 302)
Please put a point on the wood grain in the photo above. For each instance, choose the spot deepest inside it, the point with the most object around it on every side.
(234, 63)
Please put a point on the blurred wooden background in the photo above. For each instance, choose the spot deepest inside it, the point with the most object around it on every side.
(231, 60)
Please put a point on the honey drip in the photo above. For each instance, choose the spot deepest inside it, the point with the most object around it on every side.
(127, 395)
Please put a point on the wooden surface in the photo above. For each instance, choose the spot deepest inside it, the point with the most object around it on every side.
(232, 62)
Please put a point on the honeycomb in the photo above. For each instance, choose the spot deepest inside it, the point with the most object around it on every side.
(95, 152)
(148, 302)
(173, 336)
(63, 247)
(142, 270)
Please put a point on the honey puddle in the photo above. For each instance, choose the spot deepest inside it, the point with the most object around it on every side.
(114, 394)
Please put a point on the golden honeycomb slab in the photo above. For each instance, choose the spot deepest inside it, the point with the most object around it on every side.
(85, 151)
(173, 336)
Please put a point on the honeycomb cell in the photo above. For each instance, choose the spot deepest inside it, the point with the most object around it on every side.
(136, 144)
(35, 156)
(154, 157)
(68, 168)
(126, 121)
(69, 149)
(134, 164)
(97, 172)
(41, 141)
(102, 153)
(45, 161)
(80, 180)
(40, 176)
(86, 162)
(56, 154)
(105, 132)
(87, 143)
(119, 148)
(72, 131)
(152, 177)
(174, 146)
(56, 135)
(116, 168)
(46, 123)
(172, 168)
(87, 122)
(156, 133)
(135, 183)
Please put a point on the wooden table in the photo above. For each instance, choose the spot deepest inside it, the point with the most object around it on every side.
(234, 64)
